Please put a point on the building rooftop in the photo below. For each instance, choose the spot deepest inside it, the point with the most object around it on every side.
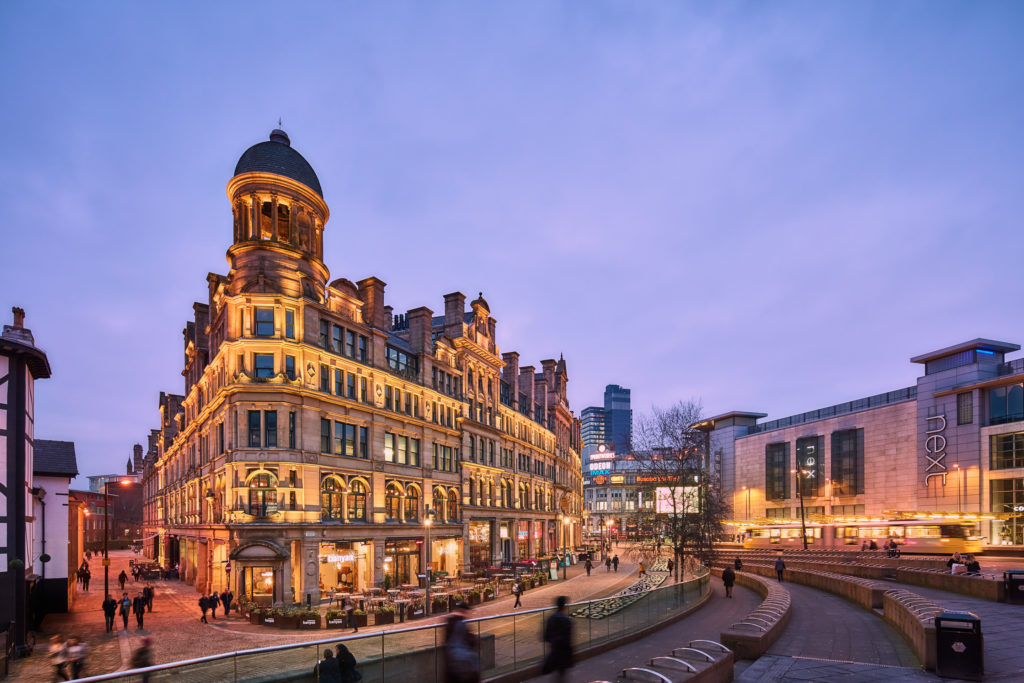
(979, 343)
(277, 156)
(54, 458)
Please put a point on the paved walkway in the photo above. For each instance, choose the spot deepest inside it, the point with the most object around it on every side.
(178, 634)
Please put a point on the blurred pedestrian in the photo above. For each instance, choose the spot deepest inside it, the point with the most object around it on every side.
(607, 564)
(86, 578)
(461, 663)
(143, 657)
(350, 610)
(77, 653)
(214, 602)
(589, 565)
(126, 609)
(225, 601)
(517, 590)
(148, 593)
(340, 669)
(780, 567)
(109, 607)
(737, 564)
(59, 658)
(558, 636)
(139, 608)
(122, 579)
(728, 578)
(671, 566)
(615, 562)
(642, 571)
(204, 605)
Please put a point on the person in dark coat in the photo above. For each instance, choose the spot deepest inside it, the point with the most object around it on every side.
(461, 663)
(589, 565)
(517, 590)
(126, 609)
(340, 669)
(558, 636)
(607, 564)
(139, 608)
(122, 579)
(109, 612)
(86, 578)
(728, 578)
(148, 594)
(142, 657)
(204, 604)
(780, 567)
(214, 602)
(737, 564)
(615, 562)
(225, 600)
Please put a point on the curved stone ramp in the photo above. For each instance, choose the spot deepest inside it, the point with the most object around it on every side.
(751, 636)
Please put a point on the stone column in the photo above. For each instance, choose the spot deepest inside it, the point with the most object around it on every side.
(273, 218)
(255, 231)
(310, 580)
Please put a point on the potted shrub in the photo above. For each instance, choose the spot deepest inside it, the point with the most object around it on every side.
(475, 597)
(286, 618)
(255, 614)
(309, 619)
(268, 617)
(415, 610)
(489, 593)
(438, 605)
(360, 616)
(336, 619)
(385, 614)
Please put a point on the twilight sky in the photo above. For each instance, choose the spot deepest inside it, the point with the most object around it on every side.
(766, 205)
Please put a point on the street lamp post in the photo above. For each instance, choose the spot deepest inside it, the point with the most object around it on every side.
(959, 476)
(106, 533)
(565, 547)
(427, 521)
(747, 489)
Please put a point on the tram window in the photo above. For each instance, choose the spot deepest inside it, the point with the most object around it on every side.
(922, 532)
(952, 531)
(775, 535)
(759, 533)
(895, 532)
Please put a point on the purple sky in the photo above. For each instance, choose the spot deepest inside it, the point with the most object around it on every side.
(769, 206)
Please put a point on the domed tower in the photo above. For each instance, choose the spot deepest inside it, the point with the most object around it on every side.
(279, 215)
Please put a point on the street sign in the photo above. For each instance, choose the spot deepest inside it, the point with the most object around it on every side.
(227, 567)
(106, 561)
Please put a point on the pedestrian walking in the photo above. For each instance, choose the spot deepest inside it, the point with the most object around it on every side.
(86, 578)
(214, 603)
(615, 562)
(737, 564)
(109, 607)
(728, 578)
(204, 605)
(126, 609)
(780, 567)
(139, 609)
(461, 664)
(77, 653)
(59, 658)
(517, 590)
(122, 578)
(607, 564)
(589, 565)
(148, 593)
(558, 636)
(642, 571)
(350, 610)
(225, 601)
(143, 657)
(671, 566)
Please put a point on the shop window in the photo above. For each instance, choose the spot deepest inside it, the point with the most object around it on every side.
(330, 499)
(412, 504)
(357, 502)
(453, 506)
(392, 503)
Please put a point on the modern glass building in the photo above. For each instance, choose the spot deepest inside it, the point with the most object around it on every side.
(618, 418)
(591, 432)
(952, 445)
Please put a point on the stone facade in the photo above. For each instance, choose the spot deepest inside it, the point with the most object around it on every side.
(318, 430)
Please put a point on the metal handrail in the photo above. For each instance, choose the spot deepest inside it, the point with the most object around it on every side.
(661, 677)
(689, 667)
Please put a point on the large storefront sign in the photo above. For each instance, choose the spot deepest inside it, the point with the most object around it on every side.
(935, 448)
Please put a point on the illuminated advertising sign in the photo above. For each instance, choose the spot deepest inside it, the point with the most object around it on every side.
(618, 479)
(686, 498)
(595, 470)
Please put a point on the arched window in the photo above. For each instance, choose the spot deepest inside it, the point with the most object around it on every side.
(412, 504)
(357, 502)
(262, 494)
(439, 504)
(330, 499)
(393, 503)
(524, 497)
(472, 491)
(283, 223)
(453, 506)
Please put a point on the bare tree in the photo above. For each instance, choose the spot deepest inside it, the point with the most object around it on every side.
(681, 494)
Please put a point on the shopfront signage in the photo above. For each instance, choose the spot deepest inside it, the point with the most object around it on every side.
(594, 472)
(1018, 508)
(618, 479)
(935, 448)
(341, 558)
(267, 574)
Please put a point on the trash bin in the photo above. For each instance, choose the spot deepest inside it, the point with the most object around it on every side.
(959, 651)
(1014, 582)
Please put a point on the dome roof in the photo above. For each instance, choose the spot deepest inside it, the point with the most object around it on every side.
(277, 156)
(480, 301)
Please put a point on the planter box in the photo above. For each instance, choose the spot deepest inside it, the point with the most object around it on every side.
(267, 620)
(383, 618)
(488, 598)
(340, 622)
(474, 599)
(361, 619)
(417, 613)
(287, 622)
(309, 623)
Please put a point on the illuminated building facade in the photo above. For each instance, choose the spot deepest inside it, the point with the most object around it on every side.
(316, 427)
(950, 446)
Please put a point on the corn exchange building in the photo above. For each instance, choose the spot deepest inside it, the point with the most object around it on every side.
(324, 442)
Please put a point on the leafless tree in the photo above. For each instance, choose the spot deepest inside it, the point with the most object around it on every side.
(675, 474)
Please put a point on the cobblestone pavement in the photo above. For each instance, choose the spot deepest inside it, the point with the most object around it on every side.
(178, 634)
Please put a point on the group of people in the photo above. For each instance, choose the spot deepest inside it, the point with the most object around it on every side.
(210, 602)
(609, 562)
(67, 657)
(83, 575)
(964, 564)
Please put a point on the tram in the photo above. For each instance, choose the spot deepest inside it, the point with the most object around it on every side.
(916, 536)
